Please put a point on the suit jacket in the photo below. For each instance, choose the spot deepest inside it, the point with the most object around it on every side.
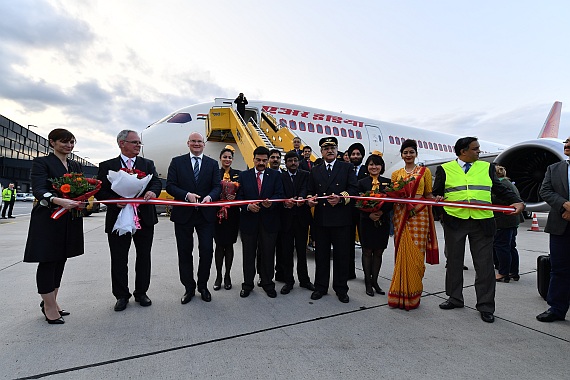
(146, 212)
(180, 181)
(362, 173)
(342, 179)
(304, 164)
(297, 188)
(554, 191)
(271, 188)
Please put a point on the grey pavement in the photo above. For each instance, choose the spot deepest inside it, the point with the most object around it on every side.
(289, 337)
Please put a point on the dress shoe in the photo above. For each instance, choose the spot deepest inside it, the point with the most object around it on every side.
(487, 317)
(143, 300)
(4, 217)
(64, 313)
(308, 285)
(271, 293)
(58, 321)
(317, 295)
(13, 217)
(548, 316)
(286, 289)
(448, 305)
(514, 277)
(369, 291)
(187, 297)
(206, 296)
(244, 293)
(378, 289)
(342, 297)
(121, 304)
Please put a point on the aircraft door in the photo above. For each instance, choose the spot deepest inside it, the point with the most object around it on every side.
(375, 140)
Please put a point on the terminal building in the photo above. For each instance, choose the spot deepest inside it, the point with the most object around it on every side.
(18, 147)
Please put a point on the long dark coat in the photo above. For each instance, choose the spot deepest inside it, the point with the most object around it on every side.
(52, 239)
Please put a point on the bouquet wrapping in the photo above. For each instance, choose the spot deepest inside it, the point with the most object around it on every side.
(128, 183)
(228, 188)
(76, 187)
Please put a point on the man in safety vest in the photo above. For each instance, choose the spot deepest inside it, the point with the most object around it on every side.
(470, 181)
(8, 197)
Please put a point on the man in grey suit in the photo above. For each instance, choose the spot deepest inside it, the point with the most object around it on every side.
(555, 192)
(468, 179)
(194, 178)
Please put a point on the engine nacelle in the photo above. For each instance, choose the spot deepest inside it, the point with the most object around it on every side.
(526, 164)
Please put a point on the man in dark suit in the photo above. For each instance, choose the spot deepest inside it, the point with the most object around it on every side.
(194, 178)
(259, 222)
(297, 147)
(356, 154)
(332, 221)
(305, 163)
(555, 192)
(469, 179)
(295, 220)
(130, 145)
(241, 102)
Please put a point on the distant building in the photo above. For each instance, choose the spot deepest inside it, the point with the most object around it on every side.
(18, 147)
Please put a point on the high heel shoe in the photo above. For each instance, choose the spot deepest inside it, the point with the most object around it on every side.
(58, 321)
(227, 282)
(378, 289)
(506, 279)
(218, 283)
(62, 313)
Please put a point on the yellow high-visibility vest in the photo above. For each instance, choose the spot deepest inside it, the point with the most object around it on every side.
(471, 187)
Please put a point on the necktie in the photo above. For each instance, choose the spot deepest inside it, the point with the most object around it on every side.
(259, 182)
(196, 168)
(329, 169)
(356, 170)
(130, 163)
(466, 167)
(293, 178)
(309, 163)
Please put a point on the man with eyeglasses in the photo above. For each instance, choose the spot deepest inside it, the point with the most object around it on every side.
(194, 178)
(554, 191)
(259, 221)
(130, 145)
(333, 218)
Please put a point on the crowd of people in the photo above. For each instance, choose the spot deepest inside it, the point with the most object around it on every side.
(277, 208)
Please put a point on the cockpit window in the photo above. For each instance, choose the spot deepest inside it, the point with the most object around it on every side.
(182, 117)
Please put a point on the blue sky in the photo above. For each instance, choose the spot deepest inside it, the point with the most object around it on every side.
(486, 68)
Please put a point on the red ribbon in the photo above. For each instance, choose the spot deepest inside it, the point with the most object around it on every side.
(413, 201)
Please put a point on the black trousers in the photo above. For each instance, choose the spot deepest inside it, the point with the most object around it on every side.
(262, 247)
(295, 238)
(119, 247)
(339, 238)
(185, 243)
(8, 205)
(48, 276)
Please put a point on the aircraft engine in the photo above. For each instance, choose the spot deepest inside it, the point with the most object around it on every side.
(526, 165)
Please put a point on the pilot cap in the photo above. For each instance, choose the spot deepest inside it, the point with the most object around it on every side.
(328, 141)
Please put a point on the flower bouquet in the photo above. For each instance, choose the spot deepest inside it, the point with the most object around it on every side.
(128, 183)
(76, 187)
(367, 205)
(228, 188)
(403, 188)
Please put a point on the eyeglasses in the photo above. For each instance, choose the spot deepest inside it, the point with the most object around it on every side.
(134, 142)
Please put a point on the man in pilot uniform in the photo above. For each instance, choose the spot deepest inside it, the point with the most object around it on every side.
(333, 180)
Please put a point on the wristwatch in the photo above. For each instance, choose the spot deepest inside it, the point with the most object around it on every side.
(47, 198)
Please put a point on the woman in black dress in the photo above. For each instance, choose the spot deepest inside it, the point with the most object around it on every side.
(226, 232)
(374, 228)
(52, 241)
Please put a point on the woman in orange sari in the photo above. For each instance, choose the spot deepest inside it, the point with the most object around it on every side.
(414, 232)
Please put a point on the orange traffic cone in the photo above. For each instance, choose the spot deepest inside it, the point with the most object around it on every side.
(534, 226)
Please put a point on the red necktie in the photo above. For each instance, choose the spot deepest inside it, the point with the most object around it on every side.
(259, 182)
(309, 163)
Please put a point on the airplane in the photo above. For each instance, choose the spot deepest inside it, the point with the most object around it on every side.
(274, 125)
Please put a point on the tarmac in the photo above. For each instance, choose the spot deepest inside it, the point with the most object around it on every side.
(289, 337)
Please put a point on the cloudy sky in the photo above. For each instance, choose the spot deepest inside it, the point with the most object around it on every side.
(486, 68)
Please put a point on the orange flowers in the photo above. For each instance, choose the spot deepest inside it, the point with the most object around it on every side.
(65, 188)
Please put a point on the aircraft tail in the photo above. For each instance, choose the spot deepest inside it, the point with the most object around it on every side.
(552, 123)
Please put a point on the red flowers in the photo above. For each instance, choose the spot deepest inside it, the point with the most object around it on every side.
(140, 174)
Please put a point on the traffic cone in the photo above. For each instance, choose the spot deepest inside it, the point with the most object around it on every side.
(534, 226)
